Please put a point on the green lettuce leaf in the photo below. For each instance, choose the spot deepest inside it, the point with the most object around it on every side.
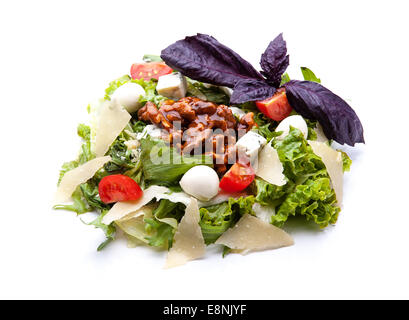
(267, 132)
(266, 126)
(268, 194)
(309, 75)
(169, 209)
(163, 165)
(91, 195)
(284, 79)
(216, 219)
(151, 58)
(313, 199)
(210, 93)
(121, 158)
(137, 126)
(109, 230)
(85, 154)
(160, 233)
(311, 124)
(150, 91)
(149, 229)
(346, 161)
(79, 205)
(297, 157)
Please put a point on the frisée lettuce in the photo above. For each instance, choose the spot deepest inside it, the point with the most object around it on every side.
(216, 219)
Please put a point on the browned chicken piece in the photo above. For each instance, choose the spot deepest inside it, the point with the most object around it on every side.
(247, 122)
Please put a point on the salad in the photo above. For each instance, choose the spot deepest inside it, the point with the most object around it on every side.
(196, 147)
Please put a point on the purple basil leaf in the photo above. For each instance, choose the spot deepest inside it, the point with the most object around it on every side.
(251, 90)
(203, 58)
(274, 61)
(313, 101)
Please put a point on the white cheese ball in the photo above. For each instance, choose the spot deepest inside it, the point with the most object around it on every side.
(201, 182)
(293, 121)
(128, 96)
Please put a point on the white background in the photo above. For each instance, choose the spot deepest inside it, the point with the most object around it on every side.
(56, 56)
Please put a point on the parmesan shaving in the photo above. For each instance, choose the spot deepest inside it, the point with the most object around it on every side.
(170, 221)
(188, 241)
(132, 242)
(113, 118)
(125, 208)
(333, 162)
(73, 178)
(134, 226)
(253, 234)
(175, 197)
(270, 167)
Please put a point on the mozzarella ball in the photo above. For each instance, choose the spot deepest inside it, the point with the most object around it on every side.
(128, 96)
(201, 182)
(293, 121)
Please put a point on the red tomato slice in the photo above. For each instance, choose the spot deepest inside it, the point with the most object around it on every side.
(149, 70)
(276, 107)
(237, 178)
(118, 187)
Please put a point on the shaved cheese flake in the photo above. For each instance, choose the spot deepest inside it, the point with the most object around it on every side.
(73, 178)
(170, 221)
(270, 167)
(333, 162)
(188, 241)
(125, 208)
(253, 234)
(175, 197)
(112, 120)
(134, 226)
(132, 242)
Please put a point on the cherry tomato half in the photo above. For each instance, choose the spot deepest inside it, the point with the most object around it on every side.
(276, 107)
(149, 70)
(237, 178)
(118, 187)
